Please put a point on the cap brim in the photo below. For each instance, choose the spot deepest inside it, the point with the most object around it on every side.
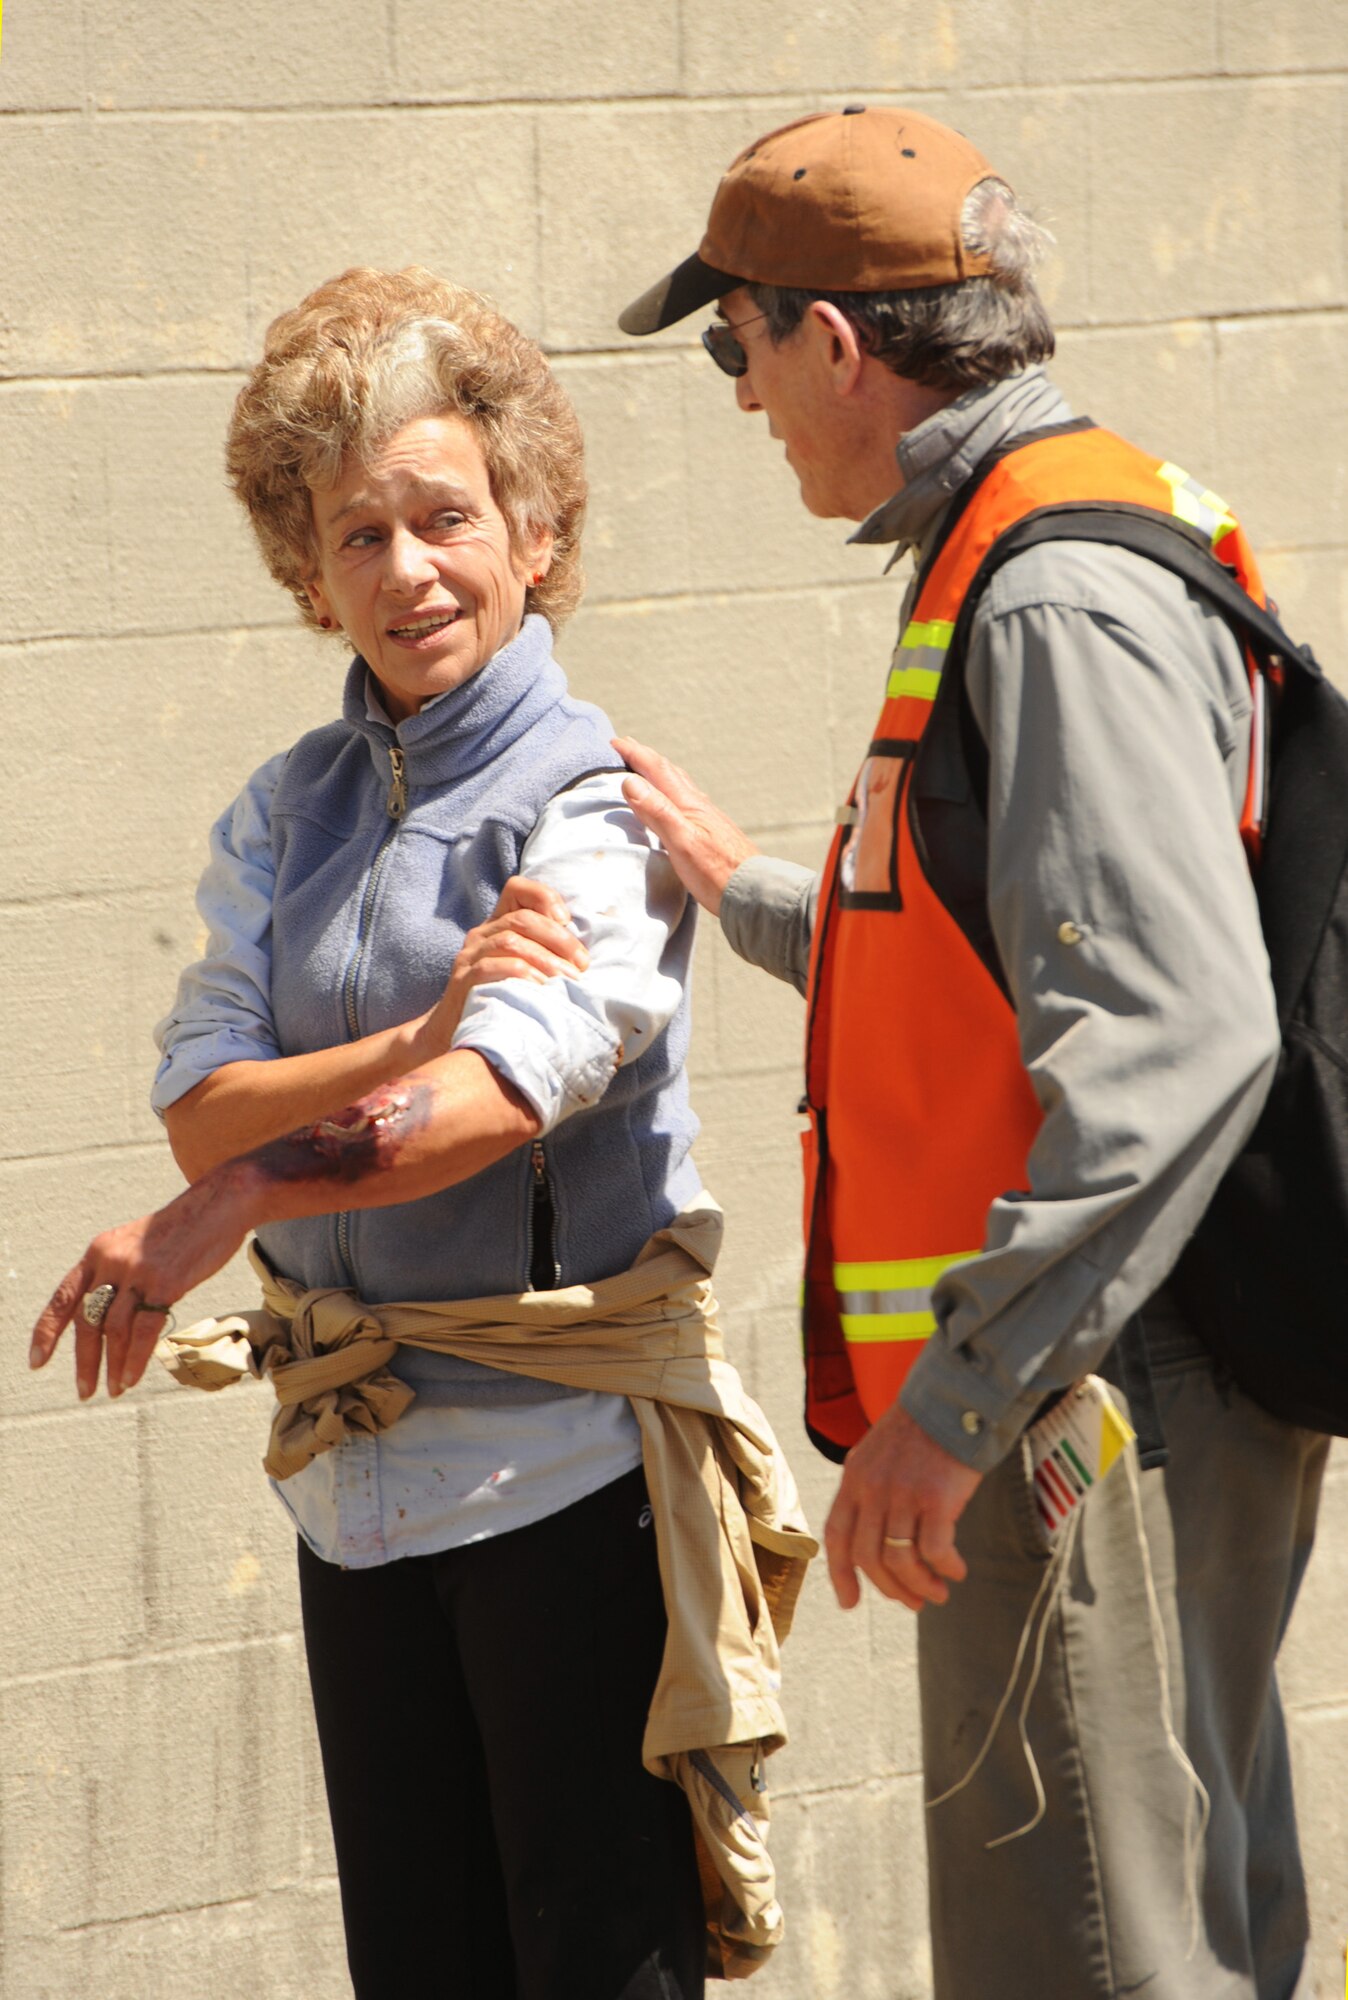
(687, 288)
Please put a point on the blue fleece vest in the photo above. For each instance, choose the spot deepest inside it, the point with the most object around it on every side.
(369, 915)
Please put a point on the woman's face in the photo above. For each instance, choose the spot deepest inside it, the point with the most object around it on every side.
(415, 563)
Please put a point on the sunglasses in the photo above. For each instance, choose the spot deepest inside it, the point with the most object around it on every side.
(720, 341)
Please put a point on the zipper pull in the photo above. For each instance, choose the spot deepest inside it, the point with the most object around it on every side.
(396, 803)
(540, 1166)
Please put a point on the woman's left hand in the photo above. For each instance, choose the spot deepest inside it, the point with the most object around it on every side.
(150, 1265)
(527, 936)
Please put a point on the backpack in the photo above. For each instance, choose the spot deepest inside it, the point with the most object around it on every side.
(1264, 1277)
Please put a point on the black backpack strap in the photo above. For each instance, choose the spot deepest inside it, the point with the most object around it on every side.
(1306, 853)
(1171, 543)
(1296, 880)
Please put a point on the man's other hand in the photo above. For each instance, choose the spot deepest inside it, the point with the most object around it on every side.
(899, 1483)
(705, 847)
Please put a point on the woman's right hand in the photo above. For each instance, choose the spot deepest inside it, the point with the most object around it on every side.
(527, 936)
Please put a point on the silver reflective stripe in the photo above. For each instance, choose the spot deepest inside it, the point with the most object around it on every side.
(916, 1299)
(933, 658)
(1197, 504)
(917, 661)
(1197, 512)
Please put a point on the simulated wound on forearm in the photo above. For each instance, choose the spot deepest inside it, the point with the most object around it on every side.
(368, 1137)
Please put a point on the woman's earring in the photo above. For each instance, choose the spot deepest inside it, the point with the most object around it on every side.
(326, 623)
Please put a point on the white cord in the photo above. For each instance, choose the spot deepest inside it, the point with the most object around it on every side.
(1047, 1596)
(1036, 1624)
(1068, 1542)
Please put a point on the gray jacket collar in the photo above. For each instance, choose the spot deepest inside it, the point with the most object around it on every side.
(940, 454)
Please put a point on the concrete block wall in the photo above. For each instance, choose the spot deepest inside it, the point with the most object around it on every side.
(174, 174)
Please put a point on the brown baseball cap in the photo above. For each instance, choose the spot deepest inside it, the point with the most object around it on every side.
(863, 200)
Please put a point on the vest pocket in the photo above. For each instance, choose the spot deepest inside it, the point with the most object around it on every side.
(868, 868)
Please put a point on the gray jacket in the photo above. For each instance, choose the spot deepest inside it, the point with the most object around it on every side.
(1116, 709)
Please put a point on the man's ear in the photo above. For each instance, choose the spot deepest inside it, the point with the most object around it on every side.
(843, 352)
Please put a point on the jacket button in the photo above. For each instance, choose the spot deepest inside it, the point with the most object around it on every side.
(972, 1422)
(1070, 933)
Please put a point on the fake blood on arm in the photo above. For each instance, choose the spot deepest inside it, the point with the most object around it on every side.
(366, 1138)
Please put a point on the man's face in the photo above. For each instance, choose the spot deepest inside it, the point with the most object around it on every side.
(791, 384)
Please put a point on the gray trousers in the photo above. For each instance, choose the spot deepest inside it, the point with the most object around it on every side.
(1091, 1903)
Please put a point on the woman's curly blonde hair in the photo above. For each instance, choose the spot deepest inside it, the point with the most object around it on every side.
(371, 351)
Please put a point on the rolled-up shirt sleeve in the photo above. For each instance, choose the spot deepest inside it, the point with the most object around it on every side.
(561, 1043)
(1127, 925)
(222, 1011)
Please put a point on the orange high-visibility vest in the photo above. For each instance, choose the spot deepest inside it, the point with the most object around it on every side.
(921, 1111)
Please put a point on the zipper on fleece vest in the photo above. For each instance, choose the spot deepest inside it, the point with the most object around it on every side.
(395, 805)
(545, 1273)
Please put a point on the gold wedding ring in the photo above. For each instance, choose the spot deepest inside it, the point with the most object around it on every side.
(898, 1541)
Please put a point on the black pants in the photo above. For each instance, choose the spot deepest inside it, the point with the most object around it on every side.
(480, 1714)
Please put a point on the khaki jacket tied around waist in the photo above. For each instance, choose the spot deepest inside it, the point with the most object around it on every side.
(733, 1542)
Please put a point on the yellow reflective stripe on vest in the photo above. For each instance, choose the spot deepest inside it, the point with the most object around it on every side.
(891, 1300)
(918, 658)
(1196, 505)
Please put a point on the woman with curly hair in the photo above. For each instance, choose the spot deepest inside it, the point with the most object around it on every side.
(415, 1091)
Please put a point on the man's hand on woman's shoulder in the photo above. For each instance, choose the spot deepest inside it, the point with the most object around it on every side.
(705, 846)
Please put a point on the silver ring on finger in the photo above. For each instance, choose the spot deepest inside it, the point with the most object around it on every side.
(94, 1305)
(899, 1541)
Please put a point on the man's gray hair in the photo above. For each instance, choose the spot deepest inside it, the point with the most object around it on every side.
(948, 336)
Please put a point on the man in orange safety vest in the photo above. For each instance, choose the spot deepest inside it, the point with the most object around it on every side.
(1039, 1028)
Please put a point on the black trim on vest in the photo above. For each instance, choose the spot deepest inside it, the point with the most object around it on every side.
(828, 1370)
(599, 771)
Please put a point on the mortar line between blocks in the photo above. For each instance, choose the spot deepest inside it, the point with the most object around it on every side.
(166, 1656)
(577, 353)
(870, 1782)
(127, 1148)
(283, 1886)
(676, 96)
